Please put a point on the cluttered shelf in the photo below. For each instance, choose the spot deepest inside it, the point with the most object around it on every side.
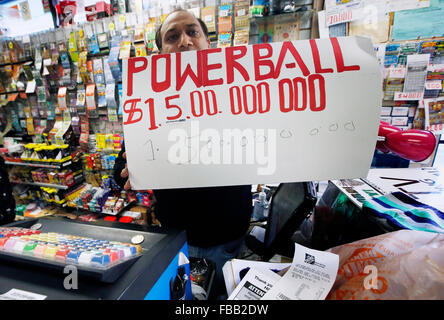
(50, 185)
(16, 92)
(40, 165)
(129, 212)
(40, 184)
(17, 62)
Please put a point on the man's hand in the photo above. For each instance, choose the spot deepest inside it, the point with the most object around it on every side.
(124, 174)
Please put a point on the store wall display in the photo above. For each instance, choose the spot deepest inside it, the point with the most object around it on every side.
(64, 87)
(413, 76)
(411, 68)
(408, 42)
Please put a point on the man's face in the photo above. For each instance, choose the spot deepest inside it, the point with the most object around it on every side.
(182, 32)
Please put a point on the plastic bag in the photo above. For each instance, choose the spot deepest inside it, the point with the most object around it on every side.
(407, 264)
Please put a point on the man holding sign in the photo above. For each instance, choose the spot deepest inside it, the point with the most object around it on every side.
(264, 113)
(215, 218)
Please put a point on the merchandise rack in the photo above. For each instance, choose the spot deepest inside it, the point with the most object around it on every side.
(49, 185)
(40, 165)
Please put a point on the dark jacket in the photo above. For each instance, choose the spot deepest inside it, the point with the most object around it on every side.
(211, 216)
(7, 201)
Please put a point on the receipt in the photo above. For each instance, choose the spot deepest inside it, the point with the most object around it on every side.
(310, 277)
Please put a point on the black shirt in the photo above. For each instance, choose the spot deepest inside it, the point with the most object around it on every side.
(7, 201)
(211, 215)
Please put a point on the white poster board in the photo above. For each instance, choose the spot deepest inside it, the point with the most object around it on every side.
(265, 113)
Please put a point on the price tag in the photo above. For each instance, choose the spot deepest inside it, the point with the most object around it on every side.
(30, 86)
(223, 13)
(399, 121)
(407, 96)
(400, 111)
(340, 17)
(397, 73)
(433, 85)
(435, 68)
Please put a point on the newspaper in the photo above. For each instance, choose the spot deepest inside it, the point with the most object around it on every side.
(233, 269)
(254, 285)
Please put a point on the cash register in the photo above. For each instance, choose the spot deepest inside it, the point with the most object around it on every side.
(64, 259)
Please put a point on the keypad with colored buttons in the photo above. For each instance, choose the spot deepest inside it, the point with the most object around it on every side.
(66, 249)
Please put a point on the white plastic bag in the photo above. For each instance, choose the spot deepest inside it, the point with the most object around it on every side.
(408, 264)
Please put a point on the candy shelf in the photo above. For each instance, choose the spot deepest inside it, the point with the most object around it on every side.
(40, 165)
(49, 185)
(39, 184)
(17, 62)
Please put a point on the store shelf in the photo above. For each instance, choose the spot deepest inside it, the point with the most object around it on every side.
(77, 182)
(16, 91)
(98, 55)
(103, 213)
(21, 136)
(40, 165)
(304, 16)
(39, 184)
(18, 62)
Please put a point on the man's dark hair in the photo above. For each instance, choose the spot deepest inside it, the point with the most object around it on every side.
(159, 36)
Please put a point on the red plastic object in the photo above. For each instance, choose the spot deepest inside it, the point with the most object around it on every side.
(112, 256)
(126, 219)
(110, 218)
(100, 6)
(412, 144)
(61, 254)
(384, 129)
(3, 241)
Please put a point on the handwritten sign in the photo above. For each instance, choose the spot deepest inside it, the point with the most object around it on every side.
(265, 113)
(433, 85)
(343, 12)
(435, 68)
(397, 73)
(340, 17)
(408, 96)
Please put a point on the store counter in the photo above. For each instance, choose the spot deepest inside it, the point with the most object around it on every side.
(151, 263)
(340, 217)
